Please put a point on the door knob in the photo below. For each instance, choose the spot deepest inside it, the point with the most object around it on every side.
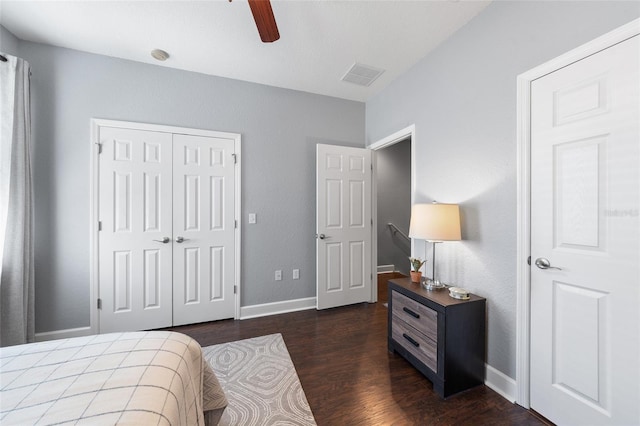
(164, 240)
(180, 239)
(322, 236)
(543, 263)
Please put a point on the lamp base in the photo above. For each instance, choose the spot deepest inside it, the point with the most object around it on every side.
(430, 284)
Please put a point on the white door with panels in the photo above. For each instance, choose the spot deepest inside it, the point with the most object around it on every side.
(343, 225)
(203, 229)
(167, 239)
(585, 240)
(134, 260)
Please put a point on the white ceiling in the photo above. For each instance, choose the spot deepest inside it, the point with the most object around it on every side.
(319, 40)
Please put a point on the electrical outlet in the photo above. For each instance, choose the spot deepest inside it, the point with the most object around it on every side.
(252, 218)
(296, 274)
(279, 275)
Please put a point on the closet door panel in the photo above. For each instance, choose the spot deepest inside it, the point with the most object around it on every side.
(204, 229)
(135, 195)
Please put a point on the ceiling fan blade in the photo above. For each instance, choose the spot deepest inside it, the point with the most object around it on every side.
(265, 21)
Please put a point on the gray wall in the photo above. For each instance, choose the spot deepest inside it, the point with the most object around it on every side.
(279, 128)
(8, 42)
(393, 177)
(462, 100)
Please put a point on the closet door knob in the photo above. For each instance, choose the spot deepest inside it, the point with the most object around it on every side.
(180, 239)
(164, 240)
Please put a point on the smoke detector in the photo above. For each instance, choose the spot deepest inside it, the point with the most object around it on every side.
(160, 55)
(362, 75)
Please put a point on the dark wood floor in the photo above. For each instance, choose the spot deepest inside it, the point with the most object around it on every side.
(383, 284)
(350, 378)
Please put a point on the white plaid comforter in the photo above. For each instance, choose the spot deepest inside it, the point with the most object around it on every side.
(153, 377)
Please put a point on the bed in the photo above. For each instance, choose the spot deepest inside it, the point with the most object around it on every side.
(154, 377)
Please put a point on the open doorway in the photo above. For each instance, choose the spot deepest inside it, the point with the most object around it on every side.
(394, 184)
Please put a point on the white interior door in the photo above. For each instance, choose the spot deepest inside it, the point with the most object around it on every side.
(585, 198)
(204, 229)
(135, 212)
(344, 227)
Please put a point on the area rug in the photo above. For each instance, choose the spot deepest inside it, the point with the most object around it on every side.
(260, 383)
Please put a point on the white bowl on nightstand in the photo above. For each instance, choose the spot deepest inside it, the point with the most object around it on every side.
(459, 293)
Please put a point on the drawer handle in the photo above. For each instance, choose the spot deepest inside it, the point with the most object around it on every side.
(413, 342)
(410, 312)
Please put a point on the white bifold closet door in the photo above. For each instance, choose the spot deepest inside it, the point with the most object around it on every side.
(203, 227)
(166, 244)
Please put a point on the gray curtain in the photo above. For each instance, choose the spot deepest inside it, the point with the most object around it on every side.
(16, 202)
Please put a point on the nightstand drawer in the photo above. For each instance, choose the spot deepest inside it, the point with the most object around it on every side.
(422, 318)
(419, 345)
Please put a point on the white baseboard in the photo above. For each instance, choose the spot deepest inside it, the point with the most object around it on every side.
(63, 334)
(265, 309)
(386, 268)
(504, 385)
(246, 312)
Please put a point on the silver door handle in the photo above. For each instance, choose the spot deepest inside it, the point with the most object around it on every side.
(321, 236)
(180, 239)
(543, 263)
(164, 240)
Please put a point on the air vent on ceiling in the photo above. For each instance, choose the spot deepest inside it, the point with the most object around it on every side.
(362, 75)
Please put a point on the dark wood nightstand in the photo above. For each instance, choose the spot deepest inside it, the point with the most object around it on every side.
(443, 337)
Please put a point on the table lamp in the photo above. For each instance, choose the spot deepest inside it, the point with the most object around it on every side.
(436, 223)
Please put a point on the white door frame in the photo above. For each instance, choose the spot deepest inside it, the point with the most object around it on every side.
(399, 136)
(523, 303)
(94, 193)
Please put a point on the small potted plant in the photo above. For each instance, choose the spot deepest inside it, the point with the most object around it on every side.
(416, 264)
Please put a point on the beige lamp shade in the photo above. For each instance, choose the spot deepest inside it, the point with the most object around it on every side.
(435, 222)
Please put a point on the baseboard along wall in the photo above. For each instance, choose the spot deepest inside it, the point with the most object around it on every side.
(246, 312)
(63, 334)
(386, 268)
(502, 384)
(275, 308)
